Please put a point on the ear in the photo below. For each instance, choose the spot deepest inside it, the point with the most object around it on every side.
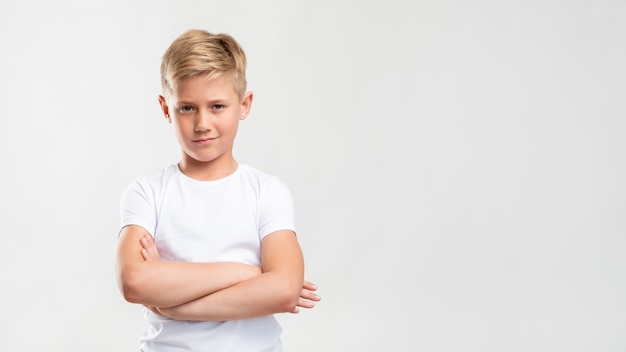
(246, 105)
(165, 108)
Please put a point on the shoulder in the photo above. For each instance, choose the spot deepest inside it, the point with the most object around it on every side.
(268, 187)
(258, 177)
(252, 171)
(152, 182)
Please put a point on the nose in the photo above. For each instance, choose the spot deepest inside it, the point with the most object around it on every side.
(203, 121)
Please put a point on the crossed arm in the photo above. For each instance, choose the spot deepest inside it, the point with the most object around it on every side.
(214, 291)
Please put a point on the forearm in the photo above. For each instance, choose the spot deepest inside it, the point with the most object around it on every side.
(169, 283)
(277, 290)
(269, 293)
(160, 283)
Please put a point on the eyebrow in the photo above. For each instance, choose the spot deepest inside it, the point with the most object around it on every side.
(212, 101)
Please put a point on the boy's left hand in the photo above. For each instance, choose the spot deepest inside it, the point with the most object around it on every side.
(149, 250)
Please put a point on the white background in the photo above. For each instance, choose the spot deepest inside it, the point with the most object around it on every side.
(458, 166)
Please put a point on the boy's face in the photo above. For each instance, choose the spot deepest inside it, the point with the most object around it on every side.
(206, 114)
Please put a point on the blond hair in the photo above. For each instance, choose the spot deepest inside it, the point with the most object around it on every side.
(198, 52)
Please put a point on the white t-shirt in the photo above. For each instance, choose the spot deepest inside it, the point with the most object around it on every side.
(209, 221)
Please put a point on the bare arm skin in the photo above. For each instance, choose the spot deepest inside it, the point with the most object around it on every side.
(280, 288)
(159, 283)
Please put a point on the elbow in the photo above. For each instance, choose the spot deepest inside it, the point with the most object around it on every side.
(288, 303)
(288, 297)
(131, 295)
(130, 285)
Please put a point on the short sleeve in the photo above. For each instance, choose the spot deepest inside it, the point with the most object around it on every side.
(137, 207)
(276, 210)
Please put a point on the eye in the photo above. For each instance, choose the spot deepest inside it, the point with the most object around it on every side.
(186, 109)
(218, 107)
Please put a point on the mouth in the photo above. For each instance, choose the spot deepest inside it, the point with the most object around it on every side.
(204, 140)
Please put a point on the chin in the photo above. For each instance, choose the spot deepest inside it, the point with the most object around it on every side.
(207, 158)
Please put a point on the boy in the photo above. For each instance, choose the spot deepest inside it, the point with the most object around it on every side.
(208, 245)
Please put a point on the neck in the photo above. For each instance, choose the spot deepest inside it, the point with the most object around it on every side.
(209, 170)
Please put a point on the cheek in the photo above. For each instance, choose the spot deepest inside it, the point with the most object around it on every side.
(234, 126)
(230, 124)
(180, 129)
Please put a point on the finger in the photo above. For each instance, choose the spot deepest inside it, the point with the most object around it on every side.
(309, 285)
(145, 254)
(306, 294)
(144, 242)
(305, 303)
